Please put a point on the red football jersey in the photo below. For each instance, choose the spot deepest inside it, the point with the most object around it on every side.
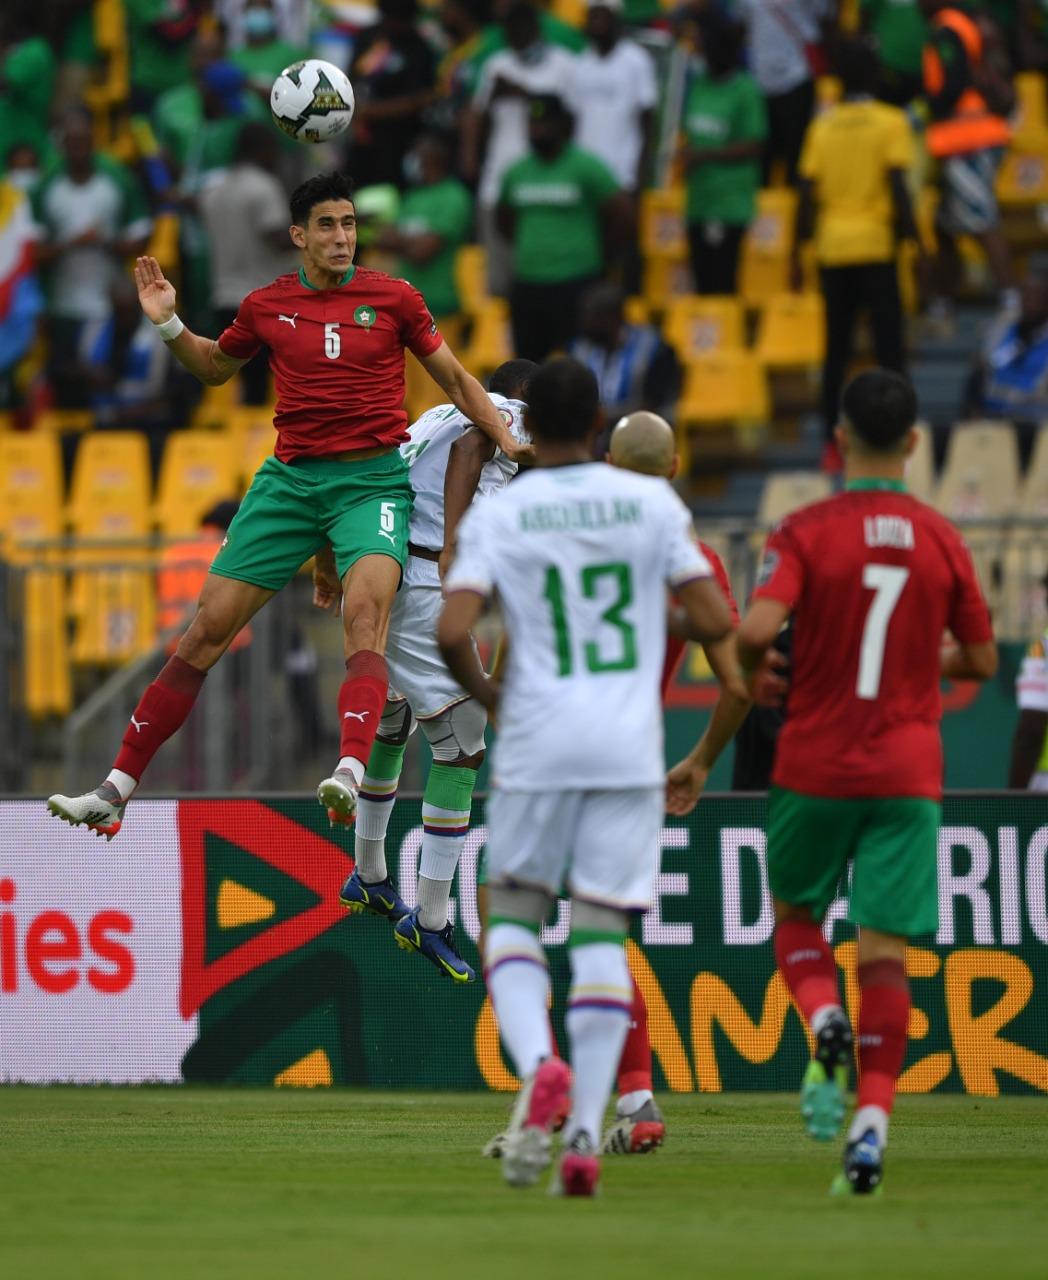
(873, 578)
(674, 645)
(337, 357)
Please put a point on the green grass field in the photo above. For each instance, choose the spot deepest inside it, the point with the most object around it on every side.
(159, 1183)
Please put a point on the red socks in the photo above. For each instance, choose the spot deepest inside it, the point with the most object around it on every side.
(361, 700)
(160, 713)
(884, 1016)
(635, 1063)
(806, 962)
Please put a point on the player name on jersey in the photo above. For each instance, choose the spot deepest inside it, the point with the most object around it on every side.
(586, 513)
(889, 531)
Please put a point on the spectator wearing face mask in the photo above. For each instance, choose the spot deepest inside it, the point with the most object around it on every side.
(435, 219)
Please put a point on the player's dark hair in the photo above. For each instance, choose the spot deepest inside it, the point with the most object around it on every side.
(563, 400)
(316, 190)
(511, 379)
(881, 407)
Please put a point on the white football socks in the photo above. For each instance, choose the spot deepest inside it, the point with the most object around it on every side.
(875, 1118)
(518, 982)
(123, 782)
(369, 838)
(597, 1021)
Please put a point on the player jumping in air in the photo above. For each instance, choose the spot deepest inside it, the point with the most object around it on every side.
(579, 555)
(337, 487)
(873, 579)
(450, 462)
(644, 442)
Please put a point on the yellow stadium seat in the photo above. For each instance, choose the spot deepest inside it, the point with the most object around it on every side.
(662, 233)
(46, 677)
(634, 311)
(764, 266)
(471, 277)
(491, 342)
(980, 477)
(111, 492)
(113, 604)
(1031, 107)
(724, 386)
(7, 422)
(1024, 566)
(60, 421)
(199, 468)
(791, 331)
(217, 405)
(1034, 501)
(695, 324)
(163, 244)
(30, 486)
(1023, 176)
(788, 491)
(664, 280)
(252, 439)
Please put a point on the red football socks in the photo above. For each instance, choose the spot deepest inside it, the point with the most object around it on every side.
(361, 700)
(635, 1063)
(161, 712)
(806, 962)
(884, 1016)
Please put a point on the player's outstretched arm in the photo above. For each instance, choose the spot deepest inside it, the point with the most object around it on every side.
(686, 781)
(455, 641)
(203, 357)
(471, 400)
(466, 462)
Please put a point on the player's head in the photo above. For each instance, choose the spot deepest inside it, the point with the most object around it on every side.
(644, 442)
(511, 379)
(324, 221)
(855, 62)
(878, 413)
(563, 403)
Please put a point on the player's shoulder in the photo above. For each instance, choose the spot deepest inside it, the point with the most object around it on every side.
(282, 287)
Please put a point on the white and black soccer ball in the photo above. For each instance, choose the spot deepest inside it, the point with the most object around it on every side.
(312, 101)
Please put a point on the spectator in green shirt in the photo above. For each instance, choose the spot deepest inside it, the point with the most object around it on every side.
(435, 218)
(264, 54)
(724, 130)
(561, 209)
(900, 31)
(27, 79)
(160, 36)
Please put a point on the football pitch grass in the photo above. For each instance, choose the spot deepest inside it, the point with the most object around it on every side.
(159, 1183)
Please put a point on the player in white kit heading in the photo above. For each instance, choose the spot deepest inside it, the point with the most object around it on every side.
(579, 555)
(450, 463)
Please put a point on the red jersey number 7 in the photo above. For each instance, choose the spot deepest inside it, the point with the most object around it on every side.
(887, 582)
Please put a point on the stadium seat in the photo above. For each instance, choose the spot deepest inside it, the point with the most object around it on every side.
(1031, 109)
(113, 604)
(635, 311)
(980, 478)
(252, 438)
(110, 495)
(199, 468)
(920, 466)
(786, 491)
(61, 421)
(217, 405)
(664, 280)
(721, 388)
(764, 266)
(1022, 180)
(695, 324)
(164, 243)
(662, 232)
(791, 331)
(490, 343)
(1020, 606)
(45, 677)
(31, 502)
(471, 277)
(1034, 501)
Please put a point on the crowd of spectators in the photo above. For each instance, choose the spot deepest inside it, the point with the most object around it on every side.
(502, 123)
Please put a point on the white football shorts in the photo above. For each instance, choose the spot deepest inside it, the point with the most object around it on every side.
(598, 846)
(417, 671)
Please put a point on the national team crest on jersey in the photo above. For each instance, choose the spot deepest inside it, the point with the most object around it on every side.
(768, 566)
(365, 316)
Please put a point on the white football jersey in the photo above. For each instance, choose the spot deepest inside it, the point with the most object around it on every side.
(426, 451)
(580, 558)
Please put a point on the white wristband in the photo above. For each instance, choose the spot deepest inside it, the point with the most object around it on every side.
(170, 329)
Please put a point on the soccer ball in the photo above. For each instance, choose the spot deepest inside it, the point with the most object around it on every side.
(312, 101)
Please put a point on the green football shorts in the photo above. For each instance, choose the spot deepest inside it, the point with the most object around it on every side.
(892, 845)
(294, 509)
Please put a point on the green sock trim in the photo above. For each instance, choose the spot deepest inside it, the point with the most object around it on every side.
(530, 925)
(386, 760)
(448, 787)
(584, 937)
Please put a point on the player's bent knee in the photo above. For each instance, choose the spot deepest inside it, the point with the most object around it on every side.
(529, 906)
(591, 918)
(456, 735)
(397, 724)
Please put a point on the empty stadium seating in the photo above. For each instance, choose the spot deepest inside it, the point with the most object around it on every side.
(1034, 500)
(980, 477)
(791, 331)
(764, 266)
(31, 497)
(198, 469)
(920, 466)
(695, 324)
(786, 491)
(471, 277)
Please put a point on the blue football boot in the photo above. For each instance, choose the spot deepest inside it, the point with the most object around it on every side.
(380, 899)
(863, 1168)
(437, 945)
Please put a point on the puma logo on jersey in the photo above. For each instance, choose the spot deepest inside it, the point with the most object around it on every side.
(289, 320)
(383, 533)
(355, 715)
(139, 724)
